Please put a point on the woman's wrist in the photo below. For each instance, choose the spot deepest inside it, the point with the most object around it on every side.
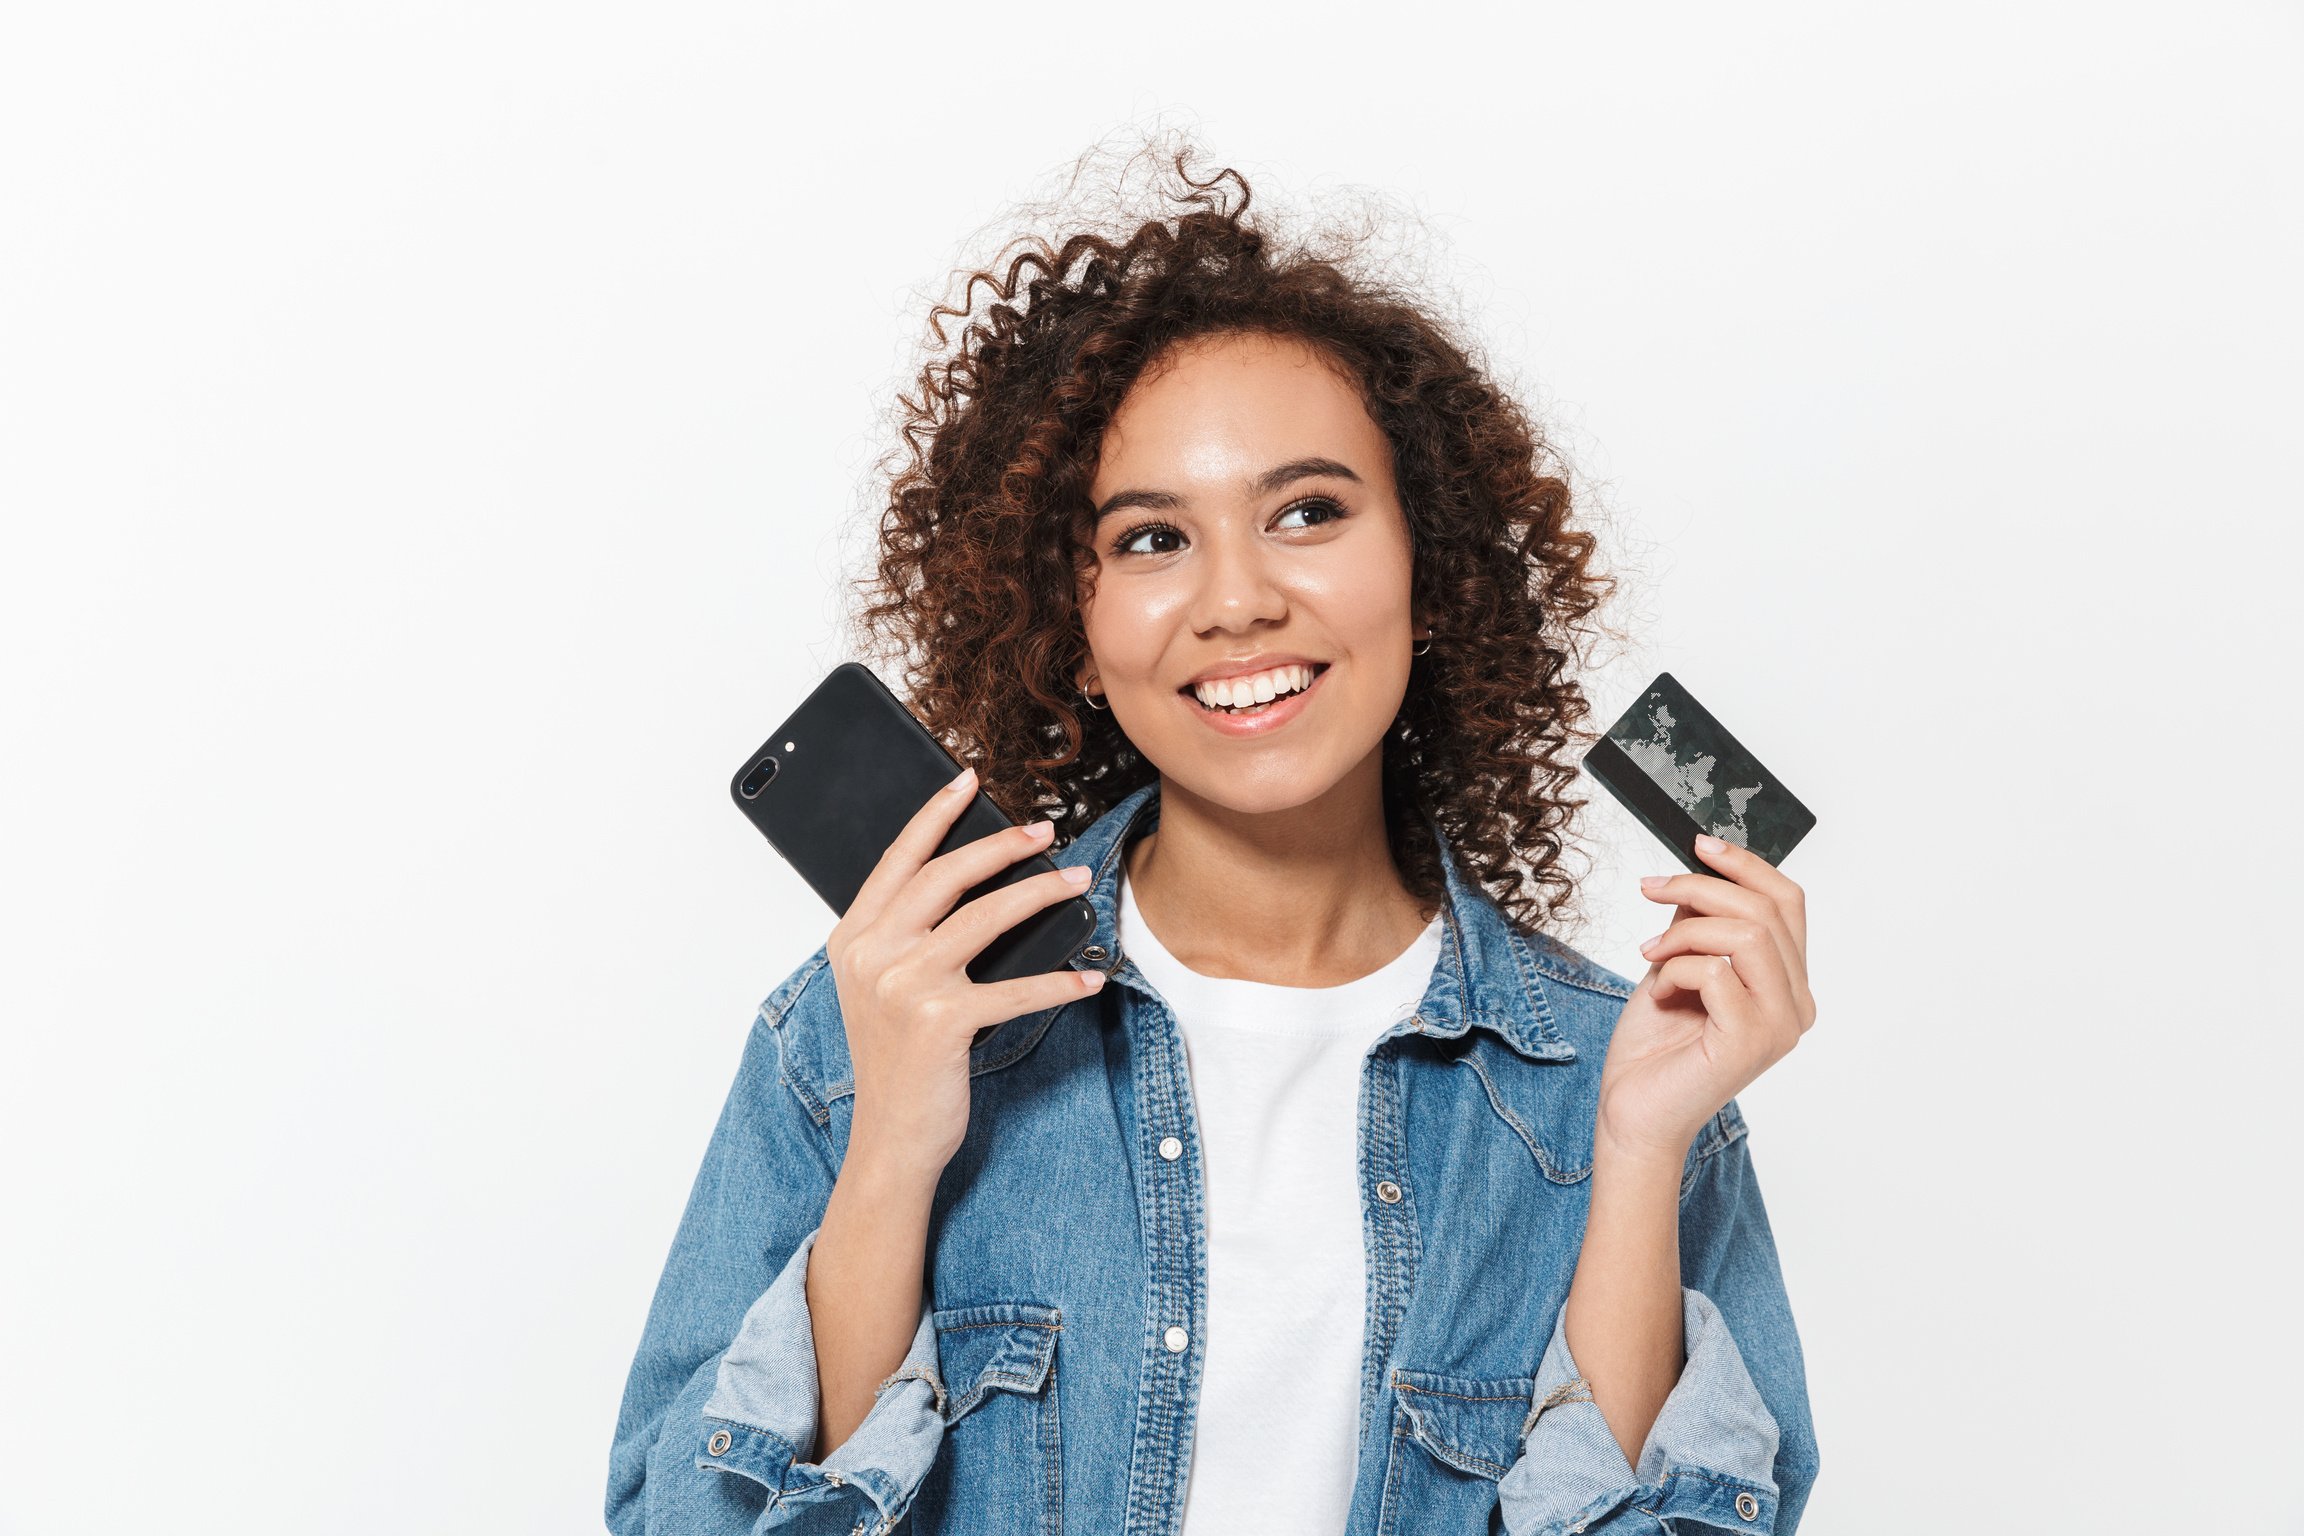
(888, 1164)
(1619, 1147)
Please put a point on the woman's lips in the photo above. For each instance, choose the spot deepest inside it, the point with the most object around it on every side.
(1263, 723)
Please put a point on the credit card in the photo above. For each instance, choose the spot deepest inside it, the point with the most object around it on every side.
(1674, 766)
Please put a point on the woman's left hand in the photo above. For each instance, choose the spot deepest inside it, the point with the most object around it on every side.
(1725, 998)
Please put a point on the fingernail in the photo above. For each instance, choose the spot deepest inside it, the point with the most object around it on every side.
(1650, 882)
(961, 782)
(1040, 828)
(1092, 979)
(1651, 944)
(1077, 874)
(1709, 843)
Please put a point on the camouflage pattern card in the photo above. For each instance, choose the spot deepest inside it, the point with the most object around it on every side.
(1678, 771)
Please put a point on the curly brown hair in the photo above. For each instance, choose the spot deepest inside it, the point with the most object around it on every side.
(985, 545)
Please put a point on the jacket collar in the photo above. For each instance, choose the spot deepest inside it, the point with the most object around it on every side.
(1488, 976)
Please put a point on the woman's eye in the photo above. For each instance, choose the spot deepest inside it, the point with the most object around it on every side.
(1316, 504)
(1141, 530)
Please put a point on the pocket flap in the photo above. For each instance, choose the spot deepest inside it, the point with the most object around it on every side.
(1473, 1425)
(1000, 1346)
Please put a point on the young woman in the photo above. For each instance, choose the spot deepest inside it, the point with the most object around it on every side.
(1326, 1192)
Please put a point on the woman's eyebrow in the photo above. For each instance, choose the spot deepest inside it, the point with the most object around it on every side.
(1257, 485)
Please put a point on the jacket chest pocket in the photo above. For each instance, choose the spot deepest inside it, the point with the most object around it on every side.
(998, 1471)
(1453, 1437)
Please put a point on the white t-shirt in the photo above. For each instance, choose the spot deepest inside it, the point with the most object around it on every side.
(1276, 1088)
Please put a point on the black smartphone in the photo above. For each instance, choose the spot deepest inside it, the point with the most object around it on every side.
(1678, 771)
(838, 780)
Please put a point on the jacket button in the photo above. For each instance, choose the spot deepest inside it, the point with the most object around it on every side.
(1388, 1192)
(1175, 1338)
(1171, 1148)
(719, 1443)
(1747, 1506)
(1093, 952)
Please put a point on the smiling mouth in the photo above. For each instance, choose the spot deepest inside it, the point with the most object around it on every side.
(1253, 709)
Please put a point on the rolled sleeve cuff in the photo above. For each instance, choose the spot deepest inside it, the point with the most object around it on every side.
(760, 1421)
(1710, 1457)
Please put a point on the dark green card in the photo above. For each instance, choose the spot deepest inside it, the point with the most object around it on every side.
(1676, 769)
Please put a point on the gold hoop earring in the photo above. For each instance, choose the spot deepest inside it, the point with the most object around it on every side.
(1091, 698)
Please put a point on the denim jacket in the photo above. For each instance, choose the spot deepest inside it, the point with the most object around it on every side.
(1050, 1386)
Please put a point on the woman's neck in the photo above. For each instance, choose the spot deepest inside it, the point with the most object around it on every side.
(1307, 897)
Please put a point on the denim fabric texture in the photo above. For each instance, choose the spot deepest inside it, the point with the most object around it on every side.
(1050, 1386)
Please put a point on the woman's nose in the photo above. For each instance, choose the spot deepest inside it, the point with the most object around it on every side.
(1237, 586)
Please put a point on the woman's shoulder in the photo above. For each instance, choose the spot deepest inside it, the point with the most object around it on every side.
(1578, 998)
(801, 1015)
(802, 991)
(1560, 961)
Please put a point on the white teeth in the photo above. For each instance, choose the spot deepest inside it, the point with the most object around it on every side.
(1260, 688)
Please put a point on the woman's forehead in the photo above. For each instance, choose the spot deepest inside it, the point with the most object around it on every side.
(1223, 410)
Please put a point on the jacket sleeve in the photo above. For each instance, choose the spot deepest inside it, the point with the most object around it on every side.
(1733, 1448)
(718, 1423)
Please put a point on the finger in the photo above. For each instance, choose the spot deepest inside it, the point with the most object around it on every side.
(1744, 877)
(1714, 895)
(996, 1002)
(1714, 940)
(943, 880)
(1749, 869)
(1756, 952)
(912, 847)
(962, 936)
(1712, 978)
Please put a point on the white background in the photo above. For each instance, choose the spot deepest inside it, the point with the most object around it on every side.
(428, 437)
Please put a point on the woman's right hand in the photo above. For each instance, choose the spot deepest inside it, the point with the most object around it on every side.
(899, 958)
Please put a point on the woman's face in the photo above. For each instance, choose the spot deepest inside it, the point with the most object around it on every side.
(1246, 509)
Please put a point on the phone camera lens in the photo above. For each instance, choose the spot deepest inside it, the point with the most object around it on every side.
(756, 778)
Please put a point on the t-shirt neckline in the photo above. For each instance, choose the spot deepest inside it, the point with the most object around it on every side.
(1392, 990)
